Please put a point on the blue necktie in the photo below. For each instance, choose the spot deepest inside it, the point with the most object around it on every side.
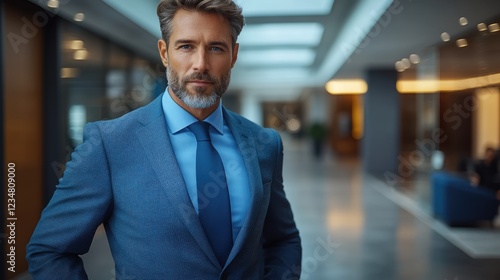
(214, 208)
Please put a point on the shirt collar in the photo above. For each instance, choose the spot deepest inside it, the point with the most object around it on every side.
(178, 119)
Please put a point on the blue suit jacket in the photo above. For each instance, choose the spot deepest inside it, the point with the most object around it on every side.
(125, 175)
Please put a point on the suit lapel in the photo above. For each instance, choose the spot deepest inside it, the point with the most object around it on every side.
(158, 148)
(247, 146)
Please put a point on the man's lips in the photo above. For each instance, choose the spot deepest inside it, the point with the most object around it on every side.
(200, 82)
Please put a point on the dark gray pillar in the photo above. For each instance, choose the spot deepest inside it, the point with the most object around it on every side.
(380, 144)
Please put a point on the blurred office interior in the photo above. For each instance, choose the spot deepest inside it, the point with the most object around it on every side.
(371, 99)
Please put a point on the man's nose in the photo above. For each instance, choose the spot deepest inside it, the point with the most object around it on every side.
(200, 63)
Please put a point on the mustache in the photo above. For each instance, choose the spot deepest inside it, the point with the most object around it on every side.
(200, 77)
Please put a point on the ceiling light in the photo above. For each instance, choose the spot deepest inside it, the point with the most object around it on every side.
(81, 54)
(54, 4)
(79, 17)
(482, 27)
(462, 43)
(415, 59)
(431, 86)
(296, 34)
(291, 57)
(463, 21)
(445, 36)
(494, 27)
(285, 7)
(354, 86)
(406, 63)
(399, 66)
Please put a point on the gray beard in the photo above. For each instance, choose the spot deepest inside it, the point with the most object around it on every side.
(199, 99)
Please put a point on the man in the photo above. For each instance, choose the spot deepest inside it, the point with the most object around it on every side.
(170, 211)
(486, 172)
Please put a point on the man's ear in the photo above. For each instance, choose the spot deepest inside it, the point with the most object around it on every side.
(162, 49)
(235, 54)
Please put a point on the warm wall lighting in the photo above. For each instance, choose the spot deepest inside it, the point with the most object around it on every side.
(354, 86)
(463, 21)
(494, 27)
(75, 45)
(445, 36)
(81, 54)
(482, 27)
(357, 117)
(432, 86)
(462, 43)
(69, 73)
(79, 17)
(54, 4)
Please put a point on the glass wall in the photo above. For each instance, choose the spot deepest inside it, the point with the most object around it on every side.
(450, 105)
(101, 80)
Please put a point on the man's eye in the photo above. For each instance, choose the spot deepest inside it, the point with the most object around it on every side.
(185, 47)
(216, 49)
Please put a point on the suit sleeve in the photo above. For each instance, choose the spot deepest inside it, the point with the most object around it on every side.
(81, 202)
(281, 240)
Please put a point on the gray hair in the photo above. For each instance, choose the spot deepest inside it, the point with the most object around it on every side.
(227, 8)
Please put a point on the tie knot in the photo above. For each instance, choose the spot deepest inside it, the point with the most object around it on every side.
(200, 131)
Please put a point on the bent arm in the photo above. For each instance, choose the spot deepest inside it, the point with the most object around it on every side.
(81, 202)
(281, 240)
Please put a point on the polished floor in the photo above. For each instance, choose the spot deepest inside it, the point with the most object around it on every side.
(374, 237)
(350, 229)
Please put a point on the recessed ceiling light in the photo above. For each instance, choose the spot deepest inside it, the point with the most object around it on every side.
(445, 36)
(54, 4)
(494, 27)
(482, 27)
(462, 43)
(79, 17)
(463, 21)
(415, 59)
(399, 66)
(406, 63)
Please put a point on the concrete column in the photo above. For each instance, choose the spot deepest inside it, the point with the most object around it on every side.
(381, 139)
(251, 107)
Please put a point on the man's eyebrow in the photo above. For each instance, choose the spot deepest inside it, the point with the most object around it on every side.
(183, 41)
(213, 43)
(219, 43)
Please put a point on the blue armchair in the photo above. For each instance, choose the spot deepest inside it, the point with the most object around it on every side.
(456, 202)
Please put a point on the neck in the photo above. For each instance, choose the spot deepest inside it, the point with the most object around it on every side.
(199, 113)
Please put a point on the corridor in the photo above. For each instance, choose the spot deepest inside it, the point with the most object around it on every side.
(349, 229)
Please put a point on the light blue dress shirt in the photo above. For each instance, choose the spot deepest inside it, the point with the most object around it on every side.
(184, 145)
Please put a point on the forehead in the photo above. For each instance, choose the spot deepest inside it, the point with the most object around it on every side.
(187, 24)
